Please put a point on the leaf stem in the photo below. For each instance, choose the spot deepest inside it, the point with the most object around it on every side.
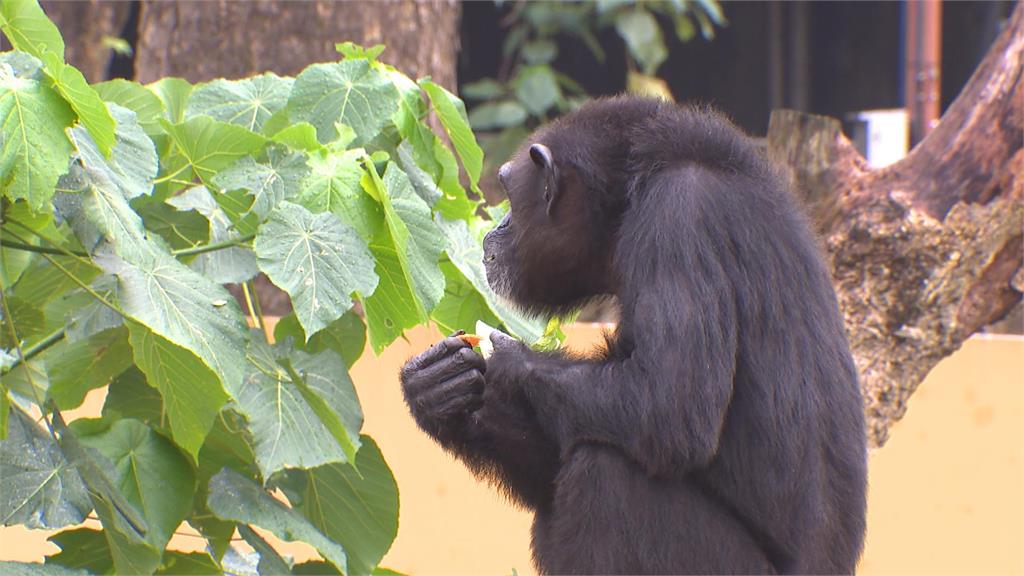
(21, 356)
(81, 284)
(213, 247)
(37, 349)
(252, 309)
(40, 249)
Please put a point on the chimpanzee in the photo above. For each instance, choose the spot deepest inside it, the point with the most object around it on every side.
(720, 429)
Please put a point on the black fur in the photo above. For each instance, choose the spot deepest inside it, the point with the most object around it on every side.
(721, 431)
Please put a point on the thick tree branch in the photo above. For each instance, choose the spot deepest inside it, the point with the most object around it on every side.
(929, 250)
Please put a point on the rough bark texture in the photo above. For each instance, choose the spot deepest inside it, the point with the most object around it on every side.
(205, 40)
(83, 25)
(929, 250)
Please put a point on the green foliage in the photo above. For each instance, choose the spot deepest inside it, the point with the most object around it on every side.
(531, 90)
(125, 211)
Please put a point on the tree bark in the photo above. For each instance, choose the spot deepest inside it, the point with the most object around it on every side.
(83, 25)
(929, 250)
(202, 41)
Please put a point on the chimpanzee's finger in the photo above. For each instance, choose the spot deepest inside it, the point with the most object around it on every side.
(462, 360)
(434, 353)
(461, 392)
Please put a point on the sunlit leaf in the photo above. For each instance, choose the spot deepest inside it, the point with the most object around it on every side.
(352, 93)
(247, 103)
(28, 29)
(84, 100)
(452, 113)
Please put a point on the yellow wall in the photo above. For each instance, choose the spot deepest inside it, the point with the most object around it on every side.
(945, 495)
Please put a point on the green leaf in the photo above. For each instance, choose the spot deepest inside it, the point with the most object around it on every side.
(351, 50)
(27, 319)
(77, 367)
(269, 182)
(208, 146)
(28, 29)
(462, 305)
(192, 394)
(129, 396)
(229, 265)
(539, 51)
(452, 113)
(173, 93)
(484, 89)
(147, 106)
(34, 150)
(132, 163)
(346, 336)
(84, 100)
(537, 89)
(247, 103)
(352, 93)
(319, 261)
(298, 422)
(39, 487)
(643, 37)
(188, 563)
(154, 477)
(333, 185)
(467, 255)
(357, 509)
(497, 115)
(299, 136)
(185, 308)
(406, 250)
(82, 549)
(237, 498)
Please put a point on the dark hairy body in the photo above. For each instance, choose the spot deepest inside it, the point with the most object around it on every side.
(721, 430)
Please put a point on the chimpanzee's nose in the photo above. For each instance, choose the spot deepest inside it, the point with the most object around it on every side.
(503, 173)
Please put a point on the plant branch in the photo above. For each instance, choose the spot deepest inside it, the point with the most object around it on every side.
(37, 349)
(21, 356)
(213, 247)
(40, 249)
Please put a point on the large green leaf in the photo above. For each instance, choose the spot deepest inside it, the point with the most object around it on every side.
(153, 476)
(33, 147)
(185, 308)
(269, 182)
(82, 549)
(28, 29)
(270, 561)
(39, 487)
(147, 106)
(643, 37)
(333, 186)
(247, 102)
(192, 394)
(85, 364)
(537, 89)
(467, 255)
(173, 94)
(352, 93)
(84, 100)
(425, 241)
(452, 113)
(462, 306)
(346, 336)
(188, 564)
(208, 146)
(229, 265)
(318, 260)
(237, 498)
(302, 409)
(357, 509)
(132, 163)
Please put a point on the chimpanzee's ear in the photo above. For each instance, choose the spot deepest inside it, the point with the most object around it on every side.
(541, 156)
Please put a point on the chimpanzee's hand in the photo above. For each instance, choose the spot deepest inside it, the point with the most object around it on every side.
(509, 365)
(443, 386)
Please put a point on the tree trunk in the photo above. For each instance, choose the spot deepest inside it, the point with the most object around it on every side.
(83, 25)
(202, 41)
(929, 250)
